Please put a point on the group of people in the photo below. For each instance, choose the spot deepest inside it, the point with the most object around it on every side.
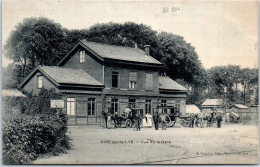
(136, 119)
(160, 119)
(199, 120)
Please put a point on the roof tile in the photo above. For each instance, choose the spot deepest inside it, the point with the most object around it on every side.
(168, 83)
(120, 53)
(69, 75)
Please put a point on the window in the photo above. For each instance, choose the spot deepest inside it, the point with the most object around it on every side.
(177, 106)
(132, 80)
(115, 79)
(91, 106)
(71, 106)
(148, 106)
(114, 106)
(82, 56)
(39, 81)
(164, 103)
(132, 84)
(132, 103)
(149, 82)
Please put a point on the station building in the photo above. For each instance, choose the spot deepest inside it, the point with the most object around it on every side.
(94, 77)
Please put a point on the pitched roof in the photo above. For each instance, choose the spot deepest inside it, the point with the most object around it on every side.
(12, 93)
(192, 109)
(169, 84)
(241, 106)
(212, 102)
(61, 75)
(117, 53)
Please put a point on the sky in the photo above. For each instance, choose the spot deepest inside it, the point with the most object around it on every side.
(222, 31)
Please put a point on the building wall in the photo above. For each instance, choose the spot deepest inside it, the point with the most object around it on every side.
(81, 116)
(90, 66)
(33, 84)
(124, 75)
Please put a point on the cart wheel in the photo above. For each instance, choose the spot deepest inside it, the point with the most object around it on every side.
(128, 123)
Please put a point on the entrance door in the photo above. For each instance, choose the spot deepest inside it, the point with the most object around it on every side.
(82, 112)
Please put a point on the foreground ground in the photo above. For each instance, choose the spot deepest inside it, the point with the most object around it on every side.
(234, 144)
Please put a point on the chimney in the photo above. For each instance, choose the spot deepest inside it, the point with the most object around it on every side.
(136, 46)
(147, 50)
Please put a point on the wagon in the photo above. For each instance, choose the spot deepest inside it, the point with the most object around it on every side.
(171, 112)
(127, 120)
(185, 120)
(234, 117)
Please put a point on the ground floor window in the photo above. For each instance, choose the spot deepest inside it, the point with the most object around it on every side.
(148, 106)
(91, 106)
(114, 106)
(164, 103)
(71, 106)
(132, 103)
(177, 106)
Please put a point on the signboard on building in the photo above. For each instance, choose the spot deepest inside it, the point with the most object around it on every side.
(57, 103)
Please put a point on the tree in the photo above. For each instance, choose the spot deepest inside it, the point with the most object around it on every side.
(181, 61)
(224, 82)
(35, 41)
(126, 34)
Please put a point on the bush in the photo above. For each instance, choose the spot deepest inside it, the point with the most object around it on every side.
(29, 134)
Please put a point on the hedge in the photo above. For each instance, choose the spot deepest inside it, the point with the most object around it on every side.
(35, 131)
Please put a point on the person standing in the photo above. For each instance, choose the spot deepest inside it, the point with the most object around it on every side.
(116, 120)
(156, 120)
(219, 120)
(192, 117)
(163, 121)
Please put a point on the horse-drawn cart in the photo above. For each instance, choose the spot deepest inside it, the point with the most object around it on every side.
(171, 114)
(127, 119)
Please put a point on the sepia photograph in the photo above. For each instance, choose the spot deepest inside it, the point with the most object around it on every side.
(138, 82)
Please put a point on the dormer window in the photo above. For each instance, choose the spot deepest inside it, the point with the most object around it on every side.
(82, 56)
(39, 81)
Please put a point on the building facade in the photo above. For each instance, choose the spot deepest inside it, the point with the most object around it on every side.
(95, 77)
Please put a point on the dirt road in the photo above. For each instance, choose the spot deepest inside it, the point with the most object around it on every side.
(234, 144)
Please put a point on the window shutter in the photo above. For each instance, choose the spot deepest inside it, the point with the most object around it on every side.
(133, 76)
(149, 82)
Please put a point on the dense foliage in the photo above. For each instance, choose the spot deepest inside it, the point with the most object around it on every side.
(238, 85)
(40, 41)
(38, 130)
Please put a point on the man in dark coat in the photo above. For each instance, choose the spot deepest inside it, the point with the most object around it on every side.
(219, 120)
(192, 117)
(156, 120)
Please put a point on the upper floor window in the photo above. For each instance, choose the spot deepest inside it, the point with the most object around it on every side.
(149, 82)
(115, 79)
(132, 84)
(39, 81)
(82, 56)
(132, 80)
